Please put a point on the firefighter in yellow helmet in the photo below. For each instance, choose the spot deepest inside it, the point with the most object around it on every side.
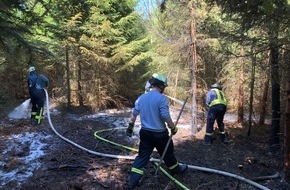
(154, 114)
(217, 107)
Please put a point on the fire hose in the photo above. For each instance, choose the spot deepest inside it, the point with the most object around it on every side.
(154, 160)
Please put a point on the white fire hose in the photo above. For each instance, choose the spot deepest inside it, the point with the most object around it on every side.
(152, 159)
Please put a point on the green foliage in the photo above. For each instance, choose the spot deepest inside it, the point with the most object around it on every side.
(169, 36)
(257, 12)
(105, 38)
(110, 42)
(113, 49)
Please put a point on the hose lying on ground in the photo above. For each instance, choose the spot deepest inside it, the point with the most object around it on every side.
(152, 159)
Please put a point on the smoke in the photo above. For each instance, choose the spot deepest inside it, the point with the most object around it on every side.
(21, 112)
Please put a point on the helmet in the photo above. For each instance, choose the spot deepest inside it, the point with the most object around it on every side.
(216, 86)
(148, 85)
(154, 75)
(31, 69)
(158, 80)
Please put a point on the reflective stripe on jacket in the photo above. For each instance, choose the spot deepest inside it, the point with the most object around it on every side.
(220, 98)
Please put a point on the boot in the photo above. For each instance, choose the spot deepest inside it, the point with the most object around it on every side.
(207, 140)
(39, 116)
(224, 139)
(134, 180)
(132, 184)
(179, 169)
(38, 119)
(33, 122)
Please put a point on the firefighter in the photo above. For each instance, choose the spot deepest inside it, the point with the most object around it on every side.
(154, 114)
(217, 107)
(36, 84)
(148, 87)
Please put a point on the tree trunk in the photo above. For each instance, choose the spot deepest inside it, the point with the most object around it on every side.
(193, 82)
(263, 101)
(79, 94)
(287, 137)
(68, 77)
(275, 81)
(252, 90)
(241, 88)
(176, 84)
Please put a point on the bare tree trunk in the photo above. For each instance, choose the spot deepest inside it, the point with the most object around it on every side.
(275, 81)
(79, 94)
(287, 137)
(193, 82)
(241, 88)
(68, 77)
(252, 90)
(176, 84)
(263, 101)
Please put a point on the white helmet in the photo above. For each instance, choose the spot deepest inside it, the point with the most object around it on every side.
(158, 80)
(148, 84)
(216, 86)
(31, 69)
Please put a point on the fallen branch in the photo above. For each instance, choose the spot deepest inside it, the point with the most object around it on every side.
(261, 178)
(61, 167)
(100, 183)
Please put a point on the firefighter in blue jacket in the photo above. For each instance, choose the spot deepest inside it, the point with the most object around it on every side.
(36, 85)
(217, 107)
(154, 114)
(148, 87)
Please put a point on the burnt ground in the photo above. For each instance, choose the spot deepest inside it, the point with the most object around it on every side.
(66, 167)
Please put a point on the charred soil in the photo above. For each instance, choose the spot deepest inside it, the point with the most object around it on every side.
(67, 167)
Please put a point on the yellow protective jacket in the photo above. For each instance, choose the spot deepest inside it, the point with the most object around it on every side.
(221, 99)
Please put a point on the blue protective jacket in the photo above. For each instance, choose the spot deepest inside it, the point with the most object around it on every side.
(153, 109)
(37, 81)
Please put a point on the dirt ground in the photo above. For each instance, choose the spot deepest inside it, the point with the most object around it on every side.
(63, 166)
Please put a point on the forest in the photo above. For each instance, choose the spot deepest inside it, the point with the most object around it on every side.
(98, 55)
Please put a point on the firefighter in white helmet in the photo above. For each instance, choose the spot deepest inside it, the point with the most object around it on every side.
(36, 85)
(148, 87)
(154, 114)
(217, 107)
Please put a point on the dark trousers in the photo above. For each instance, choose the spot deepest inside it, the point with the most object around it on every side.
(148, 141)
(37, 100)
(216, 112)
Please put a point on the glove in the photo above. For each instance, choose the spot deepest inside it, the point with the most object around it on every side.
(174, 130)
(129, 130)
